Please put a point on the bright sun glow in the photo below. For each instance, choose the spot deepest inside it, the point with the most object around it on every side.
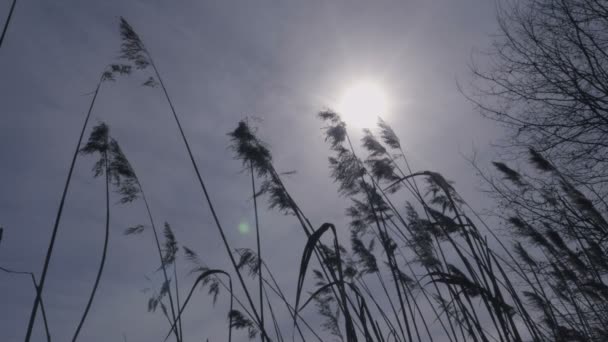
(362, 103)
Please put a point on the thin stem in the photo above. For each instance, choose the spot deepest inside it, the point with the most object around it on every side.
(257, 231)
(207, 197)
(49, 251)
(43, 310)
(103, 255)
(160, 253)
(181, 331)
(33, 277)
(8, 20)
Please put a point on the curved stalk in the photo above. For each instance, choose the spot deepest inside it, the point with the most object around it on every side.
(160, 253)
(207, 196)
(103, 254)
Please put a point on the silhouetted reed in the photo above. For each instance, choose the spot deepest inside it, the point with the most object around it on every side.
(134, 50)
(108, 74)
(113, 165)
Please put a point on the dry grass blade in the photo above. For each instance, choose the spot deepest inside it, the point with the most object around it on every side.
(202, 278)
(7, 22)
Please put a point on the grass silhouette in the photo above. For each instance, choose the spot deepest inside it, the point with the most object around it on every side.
(428, 270)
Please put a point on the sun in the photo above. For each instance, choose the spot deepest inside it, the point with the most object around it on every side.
(362, 103)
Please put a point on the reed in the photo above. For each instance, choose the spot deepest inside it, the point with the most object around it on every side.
(117, 172)
(134, 50)
(109, 73)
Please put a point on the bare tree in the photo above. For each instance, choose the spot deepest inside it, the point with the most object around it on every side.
(547, 79)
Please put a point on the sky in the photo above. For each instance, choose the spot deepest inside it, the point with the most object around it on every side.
(222, 61)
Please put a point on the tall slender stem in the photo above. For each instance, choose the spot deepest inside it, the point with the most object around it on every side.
(257, 232)
(179, 321)
(208, 198)
(103, 254)
(49, 251)
(160, 254)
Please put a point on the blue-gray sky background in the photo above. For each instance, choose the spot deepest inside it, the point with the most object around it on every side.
(281, 61)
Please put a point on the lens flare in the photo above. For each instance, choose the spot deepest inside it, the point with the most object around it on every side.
(244, 227)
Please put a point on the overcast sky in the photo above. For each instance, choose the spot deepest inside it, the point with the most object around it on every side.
(281, 61)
